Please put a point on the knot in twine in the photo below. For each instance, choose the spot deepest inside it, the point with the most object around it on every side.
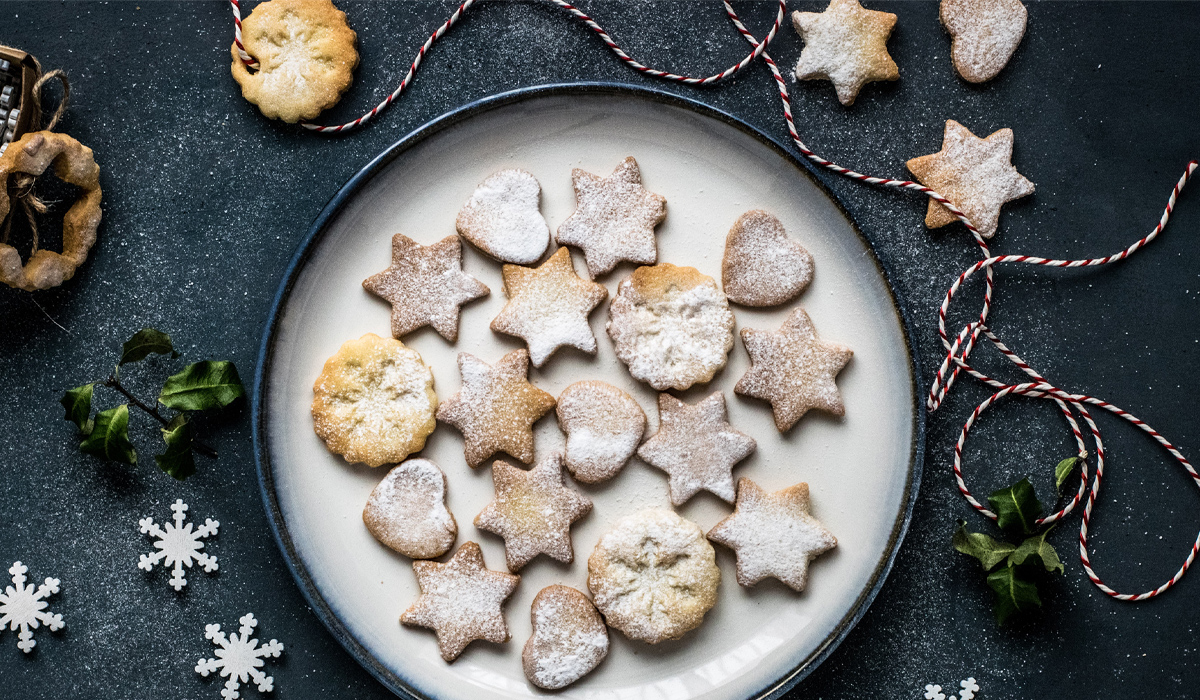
(21, 186)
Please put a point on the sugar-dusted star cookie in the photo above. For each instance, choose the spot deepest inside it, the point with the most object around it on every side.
(696, 446)
(847, 45)
(793, 369)
(773, 534)
(425, 286)
(548, 307)
(762, 265)
(533, 511)
(496, 407)
(986, 33)
(976, 174)
(461, 600)
(502, 218)
(614, 218)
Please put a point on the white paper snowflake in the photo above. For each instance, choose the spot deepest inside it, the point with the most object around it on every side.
(969, 688)
(239, 658)
(178, 544)
(23, 607)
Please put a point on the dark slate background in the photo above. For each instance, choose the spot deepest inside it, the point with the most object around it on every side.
(205, 201)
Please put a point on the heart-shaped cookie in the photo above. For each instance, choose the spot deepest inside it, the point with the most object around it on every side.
(569, 638)
(407, 511)
(762, 265)
(986, 33)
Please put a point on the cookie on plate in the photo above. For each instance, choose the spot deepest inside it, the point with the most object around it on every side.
(569, 638)
(762, 266)
(986, 34)
(603, 426)
(374, 401)
(502, 218)
(847, 45)
(407, 511)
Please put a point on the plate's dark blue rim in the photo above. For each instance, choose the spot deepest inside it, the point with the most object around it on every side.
(258, 427)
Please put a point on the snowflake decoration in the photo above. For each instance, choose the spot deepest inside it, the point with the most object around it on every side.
(239, 657)
(969, 688)
(178, 544)
(22, 606)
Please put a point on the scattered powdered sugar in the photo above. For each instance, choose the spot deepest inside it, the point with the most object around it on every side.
(502, 218)
(603, 425)
(986, 33)
(407, 511)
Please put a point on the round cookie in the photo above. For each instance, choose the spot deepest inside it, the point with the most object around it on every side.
(762, 266)
(603, 426)
(502, 219)
(374, 401)
(569, 638)
(671, 326)
(407, 511)
(654, 576)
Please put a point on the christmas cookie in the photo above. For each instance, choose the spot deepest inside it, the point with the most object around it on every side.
(975, 174)
(569, 638)
(461, 600)
(696, 446)
(671, 326)
(548, 307)
(793, 369)
(425, 286)
(773, 534)
(654, 576)
(306, 58)
(496, 407)
(614, 218)
(603, 426)
(762, 266)
(502, 218)
(846, 45)
(374, 401)
(407, 511)
(986, 33)
(533, 511)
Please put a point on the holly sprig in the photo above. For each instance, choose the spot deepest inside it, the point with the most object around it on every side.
(200, 386)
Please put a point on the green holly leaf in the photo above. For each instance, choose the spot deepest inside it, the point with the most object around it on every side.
(178, 460)
(78, 402)
(208, 384)
(988, 550)
(109, 439)
(1016, 507)
(144, 343)
(1038, 548)
(1014, 594)
(1063, 470)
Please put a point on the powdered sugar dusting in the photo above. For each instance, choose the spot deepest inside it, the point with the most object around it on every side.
(569, 638)
(603, 426)
(502, 218)
(407, 511)
(762, 266)
(986, 34)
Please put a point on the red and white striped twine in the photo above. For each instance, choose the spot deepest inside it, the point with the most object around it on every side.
(958, 350)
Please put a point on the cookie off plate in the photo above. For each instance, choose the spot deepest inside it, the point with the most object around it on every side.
(863, 469)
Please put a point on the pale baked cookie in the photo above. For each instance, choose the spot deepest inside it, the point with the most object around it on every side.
(425, 286)
(306, 58)
(461, 600)
(502, 218)
(407, 511)
(548, 307)
(569, 638)
(976, 174)
(696, 447)
(654, 576)
(986, 34)
(762, 265)
(773, 534)
(374, 401)
(496, 407)
(671, 326)
(793, 369)
(847, 45)
(533, 511)
(614, 218)
(603, 426)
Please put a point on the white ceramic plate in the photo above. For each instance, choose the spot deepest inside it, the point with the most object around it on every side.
(862, 470)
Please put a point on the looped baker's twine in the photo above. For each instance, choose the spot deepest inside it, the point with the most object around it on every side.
(22, 184)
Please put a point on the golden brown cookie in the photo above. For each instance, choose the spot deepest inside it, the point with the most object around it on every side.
(374, 401)
(407, 511)
(533, 511)
(496, 407)
(461, 600)
(847, 45)
(569, 638)
(306, 58)
(603, 426)
(654, 576)
(986, 33)
(762, 265)
(502, 218)
(671, 326)
(548, 307)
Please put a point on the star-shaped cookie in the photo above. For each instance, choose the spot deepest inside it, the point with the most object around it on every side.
(533, 511)
(496, 407)
(773, 534)
(976, 174)
(548, 307)
(614, 218)
(793, 369)
(425, 286)
(696, 446)
(461, 600)
(847, 45)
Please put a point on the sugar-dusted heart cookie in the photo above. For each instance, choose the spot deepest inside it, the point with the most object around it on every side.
(502, 218)
(603, 426)
(569, 638)
(407, 511)
(986, 34)
(762, 265)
